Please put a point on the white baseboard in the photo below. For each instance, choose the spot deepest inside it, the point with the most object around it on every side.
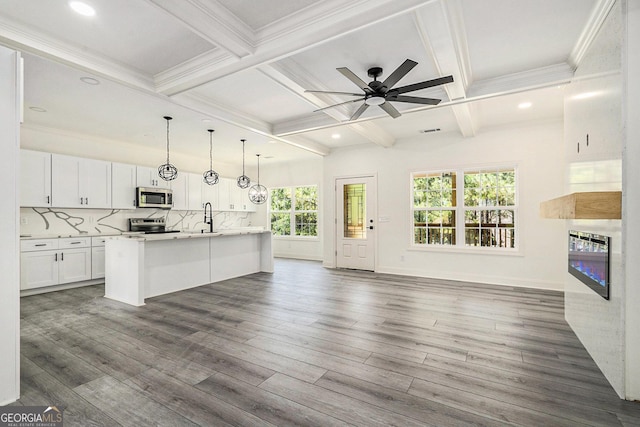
(297, 256)
(477, 278)
(36, 291)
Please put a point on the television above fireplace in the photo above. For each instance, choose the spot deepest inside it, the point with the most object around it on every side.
(589, 260)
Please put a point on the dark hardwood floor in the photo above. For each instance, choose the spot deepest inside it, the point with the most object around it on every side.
(311, 346)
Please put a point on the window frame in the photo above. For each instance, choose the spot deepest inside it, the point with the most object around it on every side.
(461, 208)
(292, 213)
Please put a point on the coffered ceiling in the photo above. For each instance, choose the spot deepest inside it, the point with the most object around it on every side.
(242, 67)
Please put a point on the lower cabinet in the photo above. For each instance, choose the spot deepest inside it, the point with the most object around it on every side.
(49, 262)
(97, 257)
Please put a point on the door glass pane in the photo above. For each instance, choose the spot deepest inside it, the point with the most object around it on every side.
(354, 211)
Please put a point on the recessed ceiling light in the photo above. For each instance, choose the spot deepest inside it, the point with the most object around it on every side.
(206, 120)
(38, 109)
(524, 105)
(335, 136)
(82, 8)
(90, 81)
(268, 157)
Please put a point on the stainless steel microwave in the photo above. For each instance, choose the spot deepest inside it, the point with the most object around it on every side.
(154, 198)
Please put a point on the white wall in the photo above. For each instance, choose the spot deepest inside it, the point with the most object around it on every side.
(631, 203)
(9, 244)
(536, 150)
(593, 105)
(307, 172)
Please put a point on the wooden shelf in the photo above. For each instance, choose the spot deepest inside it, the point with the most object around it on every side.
(587, 205)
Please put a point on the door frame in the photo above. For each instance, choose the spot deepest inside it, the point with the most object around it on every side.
(334, 227)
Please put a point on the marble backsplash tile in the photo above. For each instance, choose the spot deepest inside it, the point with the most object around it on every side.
(59, 221)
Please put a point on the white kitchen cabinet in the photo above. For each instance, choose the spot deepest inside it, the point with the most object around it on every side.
(97, 257)
(48, 262)
(224, 194)
(194, 192)
(179, 188)
(35, 179)
(148, 177)
(80, 183)
(211, 194)
(123, 186)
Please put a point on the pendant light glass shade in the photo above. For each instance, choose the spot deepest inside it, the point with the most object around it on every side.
(243, 180)
(258, 194)
(168, 172)
(210, 177)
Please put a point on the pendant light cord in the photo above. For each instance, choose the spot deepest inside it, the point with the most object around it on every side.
(258, 169)
(210, 149)
(243, 140)
(167, 118)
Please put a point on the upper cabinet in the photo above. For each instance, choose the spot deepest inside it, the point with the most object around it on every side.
(148, 177)
(35, 179)
(80, 183)
(194, 192)
(179, 187)
(123, 186)
(211, 194)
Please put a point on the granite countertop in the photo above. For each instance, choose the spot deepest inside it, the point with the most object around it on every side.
(189, 234)
(142, 236)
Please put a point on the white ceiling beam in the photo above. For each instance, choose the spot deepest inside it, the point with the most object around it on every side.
(213, 23)
(441, 29)
(228, 115)
(336, 19)
(32, 41)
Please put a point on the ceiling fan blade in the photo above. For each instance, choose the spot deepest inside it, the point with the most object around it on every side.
(414, 99)
(333, 93)
(399, 73)
(336, 105)
(355, 79)
(390, 110)
(359, 111)
(423, 85)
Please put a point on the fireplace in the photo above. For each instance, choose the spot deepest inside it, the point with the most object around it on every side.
(589, 260)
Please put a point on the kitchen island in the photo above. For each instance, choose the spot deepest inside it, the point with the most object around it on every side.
(144, 266)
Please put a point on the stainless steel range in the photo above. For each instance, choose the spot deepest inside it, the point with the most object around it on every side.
(149, 225)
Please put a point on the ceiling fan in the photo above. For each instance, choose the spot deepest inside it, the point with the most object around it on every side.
(380, 93)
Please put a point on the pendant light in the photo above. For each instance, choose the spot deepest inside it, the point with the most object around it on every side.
(243, 180)
(210, 177)
(168, 172)
(258, 193)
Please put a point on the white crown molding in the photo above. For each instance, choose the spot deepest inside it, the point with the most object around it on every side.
(213, 22)
(172, 78)
(31, 41)
(526, 80)
(596, 19)
(303, 124)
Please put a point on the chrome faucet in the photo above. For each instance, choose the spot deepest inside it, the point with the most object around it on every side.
(210, 222)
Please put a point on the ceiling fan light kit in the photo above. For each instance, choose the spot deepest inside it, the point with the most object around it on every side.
(210, 177)
(258, 194)
(167, 171)
(379, 93)
(243, 180)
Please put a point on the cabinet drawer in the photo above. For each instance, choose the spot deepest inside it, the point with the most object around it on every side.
(38, 245)
(97, 242)
(74, 242)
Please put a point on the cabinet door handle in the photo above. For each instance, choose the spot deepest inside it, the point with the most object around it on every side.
(81, 201)
(74, 243)
(48, 199)
(41, 244)
(62, 256)
(55, 258)
(86, 200)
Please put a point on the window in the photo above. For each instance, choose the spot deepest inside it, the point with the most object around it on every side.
(297, 206)
(487, 213)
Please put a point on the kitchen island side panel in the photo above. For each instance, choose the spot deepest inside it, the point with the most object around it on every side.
(124, 270)
(235, 255)
(175, 264)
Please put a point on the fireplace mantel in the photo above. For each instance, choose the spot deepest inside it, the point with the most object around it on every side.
(585, 205)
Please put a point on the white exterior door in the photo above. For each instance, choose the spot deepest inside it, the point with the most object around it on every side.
(355, 223)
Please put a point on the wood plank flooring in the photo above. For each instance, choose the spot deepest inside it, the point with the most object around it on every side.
(310, 346)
